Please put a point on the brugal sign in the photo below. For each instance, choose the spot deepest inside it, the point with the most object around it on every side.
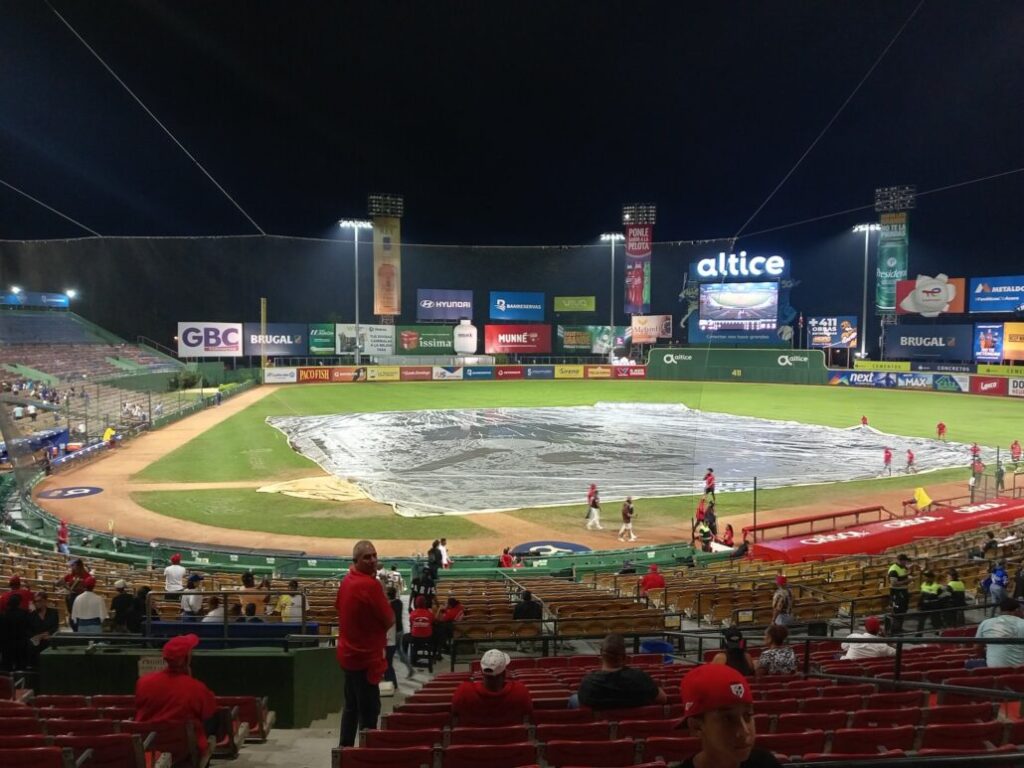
(740, 266)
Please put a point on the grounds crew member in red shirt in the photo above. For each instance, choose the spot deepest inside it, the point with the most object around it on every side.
(910, 461)
(887, 461)
(364, 617)
(174, 695)
(940, 430)
(1015, 451)
(718, 708)
(709, 483)
(493, 700)
(16, 589)
(421, 634)
(651, 580)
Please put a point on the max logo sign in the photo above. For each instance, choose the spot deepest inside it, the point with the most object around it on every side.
(73, 492)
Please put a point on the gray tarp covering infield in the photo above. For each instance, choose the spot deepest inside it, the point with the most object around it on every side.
(463, 461)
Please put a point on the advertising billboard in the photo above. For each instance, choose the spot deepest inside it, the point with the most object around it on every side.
(35, 299)
(204, 339)
(739, 306)
(374, 339)
(930, 342)
(1015, 387)
(387, 265)
(891, 265)
(516, 305)
(280, 339)
(478, 372)
(425, 340)
(996, 294)
(734, 338)
(591, 339)
(988, 342)
(321, 338)
(639, 240)
(931, 296)
(516, 339)
(739, 267)
(447, 373)
(1013, 341)
(989, 385)
(575, 304)
(442, 304)
(647, 329)
(951, 382)
(914, 380)
(280, 375)
(832, 332)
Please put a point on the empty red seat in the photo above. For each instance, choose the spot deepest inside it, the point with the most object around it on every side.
(118, 750)
(792, 743)
(894, 699)
(417, 708)
(864, 718)
(420, 737)
(401, 757)
(641, 729)
(671, 749)
(590, 753)
(961, 713)
(475, 755)
(796, 722)
(815, 757)
(113, 700)
(401, 720)
(60, 700)
(37, 757)
(175, 738)
(778, 706)
(650, 712)
(509, 734)
(16, 726)
(26, 740)
(595, 731)
(64, 727)
(552, 662)
(67, 713)
(964, 736)
(581, 715)
(873, 739)
(252, 710)
(831, 704)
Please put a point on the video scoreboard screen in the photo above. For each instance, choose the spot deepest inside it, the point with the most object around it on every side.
(739, 306)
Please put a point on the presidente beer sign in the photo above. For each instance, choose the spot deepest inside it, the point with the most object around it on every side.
(515, 339)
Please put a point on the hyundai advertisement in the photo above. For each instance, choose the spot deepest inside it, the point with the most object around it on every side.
(996, 294)
(515, 305)
(929, 342)
(440, 304)
(988, 342)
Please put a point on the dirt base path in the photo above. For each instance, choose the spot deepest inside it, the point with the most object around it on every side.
(115, 504)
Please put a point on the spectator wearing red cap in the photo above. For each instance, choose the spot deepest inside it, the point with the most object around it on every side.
(364, 617)
(25, 603)
(872, 629)
(492, 701)
(89, 611)
(173, 695)
(782, 602)
(74, 583)
(174, 575)
(651, 580)
(718, 708)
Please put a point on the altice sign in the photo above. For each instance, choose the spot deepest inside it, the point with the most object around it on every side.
(732, 265)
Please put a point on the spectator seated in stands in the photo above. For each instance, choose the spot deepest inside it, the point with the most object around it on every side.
(528, 608)
(15, 634)
(250, 613)
(192, 599)
(616, 686)
(421, 634)
(651, 580)
(89, 611)
(121, 606)
(216, 613)
(173, 695)
(444, 625)
(718, 709)
(137, 617)
(735, 654)
(16, 589)
(492, 701)
(1008, 624)
(777, 656)
(855, 651)
(290, 606)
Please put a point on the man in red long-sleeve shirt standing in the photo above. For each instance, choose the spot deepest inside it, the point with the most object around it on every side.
(364, 617)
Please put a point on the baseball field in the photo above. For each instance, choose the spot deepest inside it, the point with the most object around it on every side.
(200, 478)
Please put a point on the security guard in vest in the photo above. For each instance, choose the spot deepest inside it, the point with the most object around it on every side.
(956, 592)
(706, 536)
(932, 599)
(899, 591)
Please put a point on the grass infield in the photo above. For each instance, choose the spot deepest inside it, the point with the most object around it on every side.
(244, 448)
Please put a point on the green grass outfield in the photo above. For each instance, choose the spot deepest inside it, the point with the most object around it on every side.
(244, 448)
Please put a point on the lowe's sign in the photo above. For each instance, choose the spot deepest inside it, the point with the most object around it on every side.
(929, 342)
(280, 339)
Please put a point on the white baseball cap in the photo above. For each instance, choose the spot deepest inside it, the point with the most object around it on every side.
(494, 662)
(120, 584)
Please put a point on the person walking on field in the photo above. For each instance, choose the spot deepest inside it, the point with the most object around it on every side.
(593, 510)
(910, 462)
(709, 484)
(887, 462)
(940, 431)
(627, 519)
(699, 517)
(1015, 452)
(863, 422)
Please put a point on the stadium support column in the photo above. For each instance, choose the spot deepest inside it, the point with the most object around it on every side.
(263, 333)
(612, 238)
(867, 229)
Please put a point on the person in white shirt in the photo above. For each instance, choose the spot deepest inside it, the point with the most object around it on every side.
(192, 599)
(446, 562)
(872, 628)
(290, 606)
(89, 610)
(1008, 624)
(216, 611)
(174, 575)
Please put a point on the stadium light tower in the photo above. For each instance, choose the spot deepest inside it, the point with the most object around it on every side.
(71, 293)
(612, 238)
(355, 225)
(15, 289)
(867, 229)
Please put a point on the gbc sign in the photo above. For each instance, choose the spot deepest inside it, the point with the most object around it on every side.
(199, 339)
(740, 266)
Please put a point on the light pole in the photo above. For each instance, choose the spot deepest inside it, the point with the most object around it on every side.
(867, 229)
(355, 225)
(612, 238)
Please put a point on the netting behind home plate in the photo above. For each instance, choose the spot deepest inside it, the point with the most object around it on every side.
(462, 461)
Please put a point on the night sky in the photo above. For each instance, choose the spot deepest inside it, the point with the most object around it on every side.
(513, 123)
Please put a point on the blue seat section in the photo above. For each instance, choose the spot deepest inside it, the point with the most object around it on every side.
(43, 328)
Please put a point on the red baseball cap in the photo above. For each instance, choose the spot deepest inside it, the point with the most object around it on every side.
(89, 582)
(652, 568)
(781, 580)
(15, 582)
(177, 649)
(175, 558)
(713, 686)
(872, 625)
